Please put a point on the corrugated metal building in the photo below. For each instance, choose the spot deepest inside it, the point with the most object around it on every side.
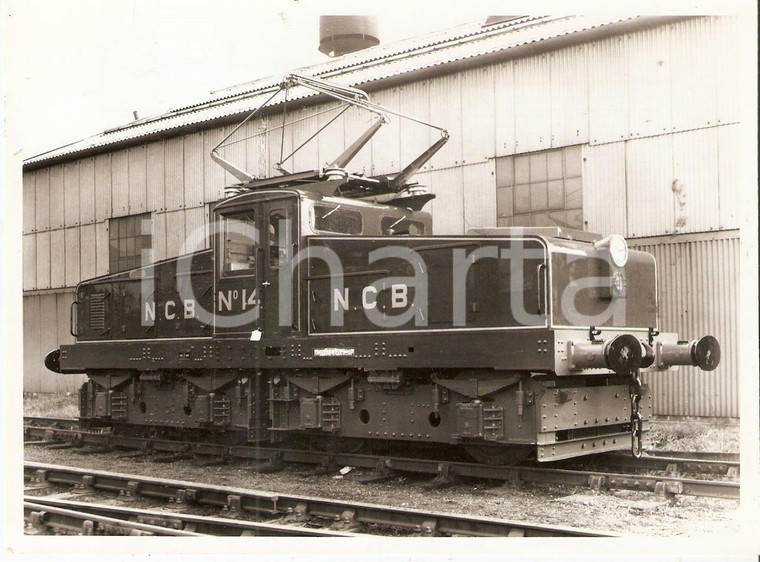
(611, 125)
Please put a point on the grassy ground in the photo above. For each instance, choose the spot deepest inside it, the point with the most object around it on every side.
(693, 436)
(51, 405)
(663, 435)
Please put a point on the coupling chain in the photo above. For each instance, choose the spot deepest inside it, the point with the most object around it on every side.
(637, 420)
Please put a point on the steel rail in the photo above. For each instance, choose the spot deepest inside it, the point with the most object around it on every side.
(348, 514)
(696, 455)
(673, 465)
(63, 423)
(44, 517)
(189, 525)
(663, 485)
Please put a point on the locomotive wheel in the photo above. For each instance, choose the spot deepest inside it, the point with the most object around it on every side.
(499, 454)
(347, 445)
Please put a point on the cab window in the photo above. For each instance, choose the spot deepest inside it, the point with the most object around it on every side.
(279, 238)
(338, 219)
(239, 244)
(402, 225)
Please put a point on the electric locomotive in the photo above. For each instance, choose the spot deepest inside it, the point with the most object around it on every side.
(326, 310)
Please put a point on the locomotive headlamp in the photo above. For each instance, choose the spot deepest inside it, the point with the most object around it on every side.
(617, 247)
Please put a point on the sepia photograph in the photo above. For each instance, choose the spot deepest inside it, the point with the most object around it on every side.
(415, 274)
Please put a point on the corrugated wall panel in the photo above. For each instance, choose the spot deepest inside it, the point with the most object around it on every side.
(43, 260)
(386, 143)
(649, 65)
(608, 90)
(174, 173)
(46, 327)
(729, 163)
(42, 199)
(56, 196)
(446, 112)
(196, 229)
(213, 174)
(71, 194)
(569, 96)
(695, 167)
(235, 152)
(73, 256)
(48, 341)
(651, 200)
(729, 79)
(57, 259)
(693, 50)
(154, 177)
(504, 108)
(89, 250)
(415, 138)
(304, 126)
(279, 141)
(478, 130)
(356, 122)
(102, 249)
(31, 331)
(87, 191)
(193, 176)
(29, 261)
(332, 141)
(532, 104)
(479, 181)
(159, 236)
(698, 292)
(120, 183)
(256, 150)
(28, 202)
(137, 180)
(103, 188)
(604, 189)
(448, 206)
(175, 232)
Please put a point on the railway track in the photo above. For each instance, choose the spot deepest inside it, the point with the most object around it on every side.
(343, 518)
(671, 482)
(46, 515)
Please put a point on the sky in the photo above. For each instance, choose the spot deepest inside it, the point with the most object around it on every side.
(78, 67)
(74, 68)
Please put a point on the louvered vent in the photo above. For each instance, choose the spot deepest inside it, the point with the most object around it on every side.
(98, 311)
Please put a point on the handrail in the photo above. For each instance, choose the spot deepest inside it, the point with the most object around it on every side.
(72, 321)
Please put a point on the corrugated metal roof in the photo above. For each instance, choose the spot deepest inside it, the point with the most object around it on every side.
(376, 63)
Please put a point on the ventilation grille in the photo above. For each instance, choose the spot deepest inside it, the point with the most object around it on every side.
(98, 311)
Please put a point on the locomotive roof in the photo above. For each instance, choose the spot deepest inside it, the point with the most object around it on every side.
(254, 196)
(544, 231)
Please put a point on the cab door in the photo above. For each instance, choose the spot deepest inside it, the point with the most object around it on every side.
(280, 280)
(238, 263)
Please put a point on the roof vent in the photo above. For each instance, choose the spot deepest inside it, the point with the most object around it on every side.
(339, 35)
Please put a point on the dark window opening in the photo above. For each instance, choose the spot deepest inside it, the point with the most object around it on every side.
(402, 225)
(336, 218)
(130, 242)
(541, 189)
(279, 238)
(239, 241)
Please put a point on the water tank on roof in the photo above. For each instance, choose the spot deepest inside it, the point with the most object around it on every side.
(339, 35)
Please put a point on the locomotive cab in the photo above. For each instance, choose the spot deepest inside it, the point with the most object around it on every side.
(260, 246)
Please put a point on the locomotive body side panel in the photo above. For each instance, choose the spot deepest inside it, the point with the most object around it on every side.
(161, 300)
(438, 284)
